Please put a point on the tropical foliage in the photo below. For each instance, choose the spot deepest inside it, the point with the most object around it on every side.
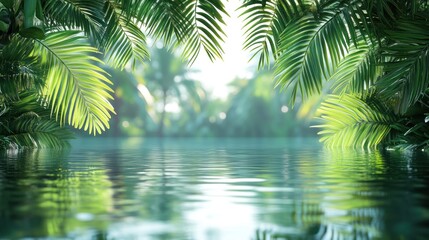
(154, 102)
(25, 123)
(373, 54)
(55, 50)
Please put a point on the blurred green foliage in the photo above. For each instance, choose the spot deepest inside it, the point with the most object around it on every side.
(160, 99)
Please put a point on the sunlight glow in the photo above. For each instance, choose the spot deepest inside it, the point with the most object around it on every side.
(125, 124)
(284, 109)
(222, 115)
(235, 64)
(172, 107)
(145, 93)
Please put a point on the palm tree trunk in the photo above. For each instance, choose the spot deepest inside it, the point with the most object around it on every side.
(161, 120)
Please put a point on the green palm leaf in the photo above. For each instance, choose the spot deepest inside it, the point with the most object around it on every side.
(313, 44)
(264, 22)
(36, 132)
(77, 15)
(357, 71)
(203, 21)
(349, 121)
(124, 41)
(76, 88)
(163, 19)
(406, 63)
(25, 124)
(18, 70)
(310, 51)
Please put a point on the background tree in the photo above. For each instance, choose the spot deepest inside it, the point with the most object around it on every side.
(132, 108)
(256, 109)
(166, 77)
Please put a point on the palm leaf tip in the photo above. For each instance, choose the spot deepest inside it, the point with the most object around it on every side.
(264, 21)
(124, 40)
(204, 21)
(349, 121)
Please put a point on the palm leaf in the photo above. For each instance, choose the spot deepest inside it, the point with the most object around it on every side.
(36, 132)
(264, 22)
(124, 41)
(163, 19)
(76, 88)
(384, 11)
(77, 15)
(406, 63)
(203, 19)
(312, 47)
(25, 124)
(18, 70)
(358, 70)
(350, 121)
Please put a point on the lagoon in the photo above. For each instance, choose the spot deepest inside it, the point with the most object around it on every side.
(213, 189)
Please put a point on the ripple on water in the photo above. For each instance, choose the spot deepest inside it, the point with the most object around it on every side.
(197, 189)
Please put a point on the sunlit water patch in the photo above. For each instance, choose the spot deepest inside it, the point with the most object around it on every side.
(213, 189)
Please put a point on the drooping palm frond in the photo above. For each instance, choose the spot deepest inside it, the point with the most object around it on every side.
(77, 15)
(406, 63)
(203, 21)
(349, 121)
(36, 132)
(312, 47)
(264, 22)
(76, 88)
(124, 42)
(18, 70)
(358, 70)
(26, 124)
(195, 25)
(163, 19)
(299, 66)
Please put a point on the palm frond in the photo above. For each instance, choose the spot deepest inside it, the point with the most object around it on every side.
(406, 63)
(18, 70)
(350, 121)
(203, 21)
(35, 132)
(76, 88)
(26, 124)
(264, 22)
(124, 41)
(163, 19)
(384, 11)
(358, 70)
(77, 15)
(310, 51)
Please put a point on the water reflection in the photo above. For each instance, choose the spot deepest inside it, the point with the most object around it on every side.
(361, 195)
(42, 196)
(211, 189)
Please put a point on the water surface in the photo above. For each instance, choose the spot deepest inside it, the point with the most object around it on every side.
(213, 189)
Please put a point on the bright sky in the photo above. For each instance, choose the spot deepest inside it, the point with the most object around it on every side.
(216, 75)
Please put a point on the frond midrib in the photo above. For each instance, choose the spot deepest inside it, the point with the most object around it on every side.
(76, 84)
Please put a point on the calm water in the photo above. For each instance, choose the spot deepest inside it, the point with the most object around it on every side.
(213, 189)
